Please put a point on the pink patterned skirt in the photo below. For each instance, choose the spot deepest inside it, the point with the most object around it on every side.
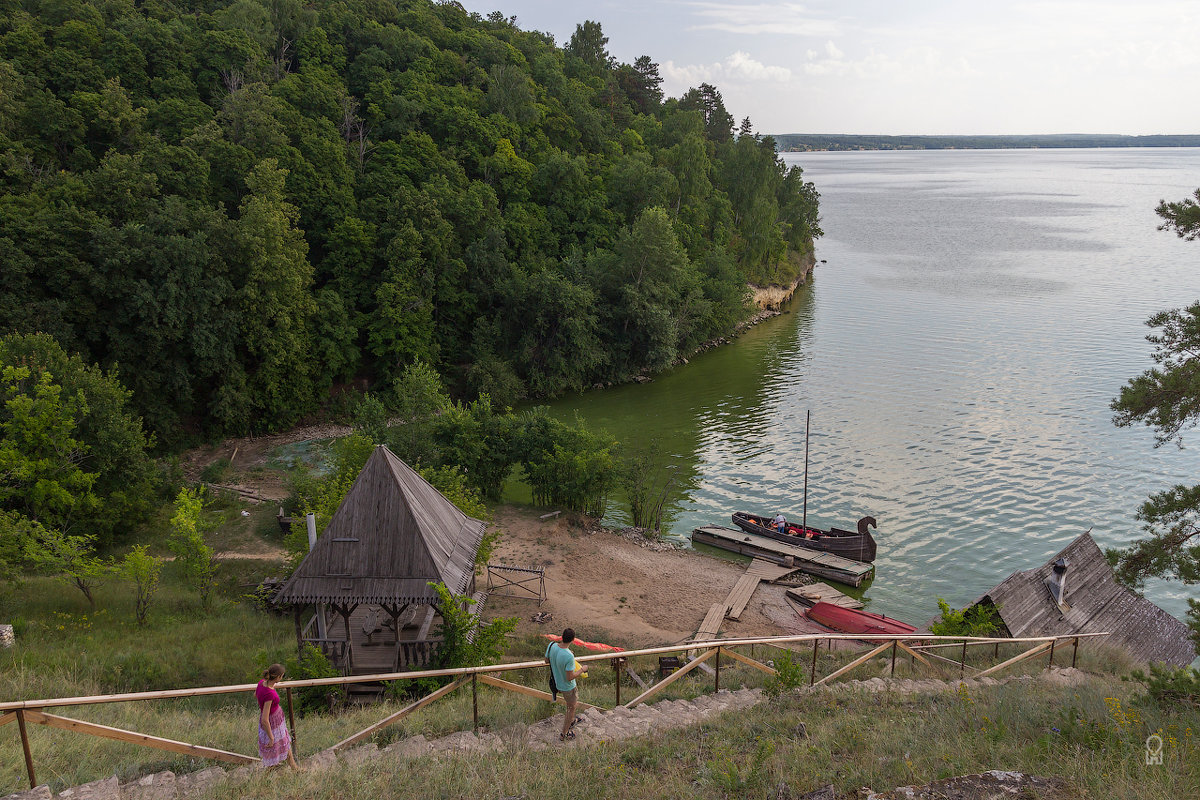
(272, 754)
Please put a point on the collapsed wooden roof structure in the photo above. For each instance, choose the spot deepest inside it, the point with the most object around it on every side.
(1075, 592)
(390, 540)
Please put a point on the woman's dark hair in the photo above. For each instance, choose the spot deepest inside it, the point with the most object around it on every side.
(568, 635)
(273, 672)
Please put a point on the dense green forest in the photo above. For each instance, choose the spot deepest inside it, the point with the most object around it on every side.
(239, 207)
(822, 141)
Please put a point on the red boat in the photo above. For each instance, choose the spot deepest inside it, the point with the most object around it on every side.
(849, 620)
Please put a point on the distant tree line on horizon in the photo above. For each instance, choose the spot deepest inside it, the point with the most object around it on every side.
(238, 207)
(804, 142)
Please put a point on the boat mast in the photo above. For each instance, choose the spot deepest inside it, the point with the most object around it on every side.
(807, 420)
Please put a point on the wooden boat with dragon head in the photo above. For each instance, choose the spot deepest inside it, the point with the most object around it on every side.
(859, 546)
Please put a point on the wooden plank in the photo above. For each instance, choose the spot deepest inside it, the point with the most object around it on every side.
(133, 737)
(1041, 648)
(634, 676)
(526, 690)
(824, 593)
(705, 668)
(7, 717)
(855, 663)
(750, 662)
(769, 570)
(740, 595)
(401, 714)
(674, 676)
(711, 625)
(920, 657)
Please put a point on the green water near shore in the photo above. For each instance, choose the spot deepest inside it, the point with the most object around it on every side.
(958, 353)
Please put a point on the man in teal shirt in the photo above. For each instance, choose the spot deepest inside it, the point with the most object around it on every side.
(562, 663)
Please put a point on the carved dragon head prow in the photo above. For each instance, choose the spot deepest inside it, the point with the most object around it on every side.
(864, 523)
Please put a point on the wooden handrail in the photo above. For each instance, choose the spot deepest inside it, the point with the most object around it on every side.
(202, 691)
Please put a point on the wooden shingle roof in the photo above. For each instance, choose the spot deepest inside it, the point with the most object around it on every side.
(1094, 602)
(391, 537)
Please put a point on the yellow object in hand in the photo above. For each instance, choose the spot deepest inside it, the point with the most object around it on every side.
(577, 666)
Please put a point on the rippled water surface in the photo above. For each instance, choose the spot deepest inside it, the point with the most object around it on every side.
(959, 349)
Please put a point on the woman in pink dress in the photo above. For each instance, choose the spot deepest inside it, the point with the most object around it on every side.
(274, 742)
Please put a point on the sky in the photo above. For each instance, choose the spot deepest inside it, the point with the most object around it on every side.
(910, 66)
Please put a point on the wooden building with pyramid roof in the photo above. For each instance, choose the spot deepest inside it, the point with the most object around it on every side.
(367, 580)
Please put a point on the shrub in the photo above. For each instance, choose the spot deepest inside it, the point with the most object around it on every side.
(216, 471)
(790, 675)
(310, 664)
(1166, 687)
(976, 620)
(144, 570)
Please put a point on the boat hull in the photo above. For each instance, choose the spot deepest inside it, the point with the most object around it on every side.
(847, 544)
(849, 620)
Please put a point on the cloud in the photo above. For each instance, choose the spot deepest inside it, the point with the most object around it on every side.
(789, 19)
(737, 67)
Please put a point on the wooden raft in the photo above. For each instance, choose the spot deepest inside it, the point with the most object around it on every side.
(813, 562)
(814, 593)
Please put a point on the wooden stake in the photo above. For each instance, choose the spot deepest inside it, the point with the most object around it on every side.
(475, 702)
(717, 679)
(674, 676)
(962, 666)
(399, 715)
(750, 662)
(1050, 663)
(855, 663)
(894, 657)
(1027, 654)
(529, 691)
(1074, 652)
(66, 723)
(25, 747)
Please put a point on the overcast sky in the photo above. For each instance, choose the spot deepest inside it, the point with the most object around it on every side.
(911, 66)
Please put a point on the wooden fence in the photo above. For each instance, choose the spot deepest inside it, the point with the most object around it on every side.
(918, 647)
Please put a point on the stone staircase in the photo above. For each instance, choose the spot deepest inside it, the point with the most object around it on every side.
(594, 726)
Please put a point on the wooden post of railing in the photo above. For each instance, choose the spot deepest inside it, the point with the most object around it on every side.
(812, 674)
(962, 667)
(291, 718)
(894, 643)
(1050, 663)
(25, 747)
(717, 672)
(475, 702)
(616, 663)
(1075, 652)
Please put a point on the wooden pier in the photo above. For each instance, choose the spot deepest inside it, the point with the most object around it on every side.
(812, 562)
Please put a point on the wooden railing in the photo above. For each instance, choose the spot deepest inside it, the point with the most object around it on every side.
(918, 647)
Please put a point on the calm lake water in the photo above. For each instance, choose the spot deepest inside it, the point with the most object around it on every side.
(959, 349)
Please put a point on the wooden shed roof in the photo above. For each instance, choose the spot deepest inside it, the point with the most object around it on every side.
(390, 538)
(1095, 602)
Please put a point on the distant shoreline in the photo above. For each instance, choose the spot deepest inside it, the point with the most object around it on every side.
(806, 142)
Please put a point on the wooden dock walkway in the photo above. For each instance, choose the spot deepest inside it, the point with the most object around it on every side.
(812, 562)
(739, 596)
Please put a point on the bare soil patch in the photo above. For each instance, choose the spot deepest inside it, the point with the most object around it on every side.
(608, 586)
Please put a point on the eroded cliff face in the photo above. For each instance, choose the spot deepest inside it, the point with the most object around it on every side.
(770, 298)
